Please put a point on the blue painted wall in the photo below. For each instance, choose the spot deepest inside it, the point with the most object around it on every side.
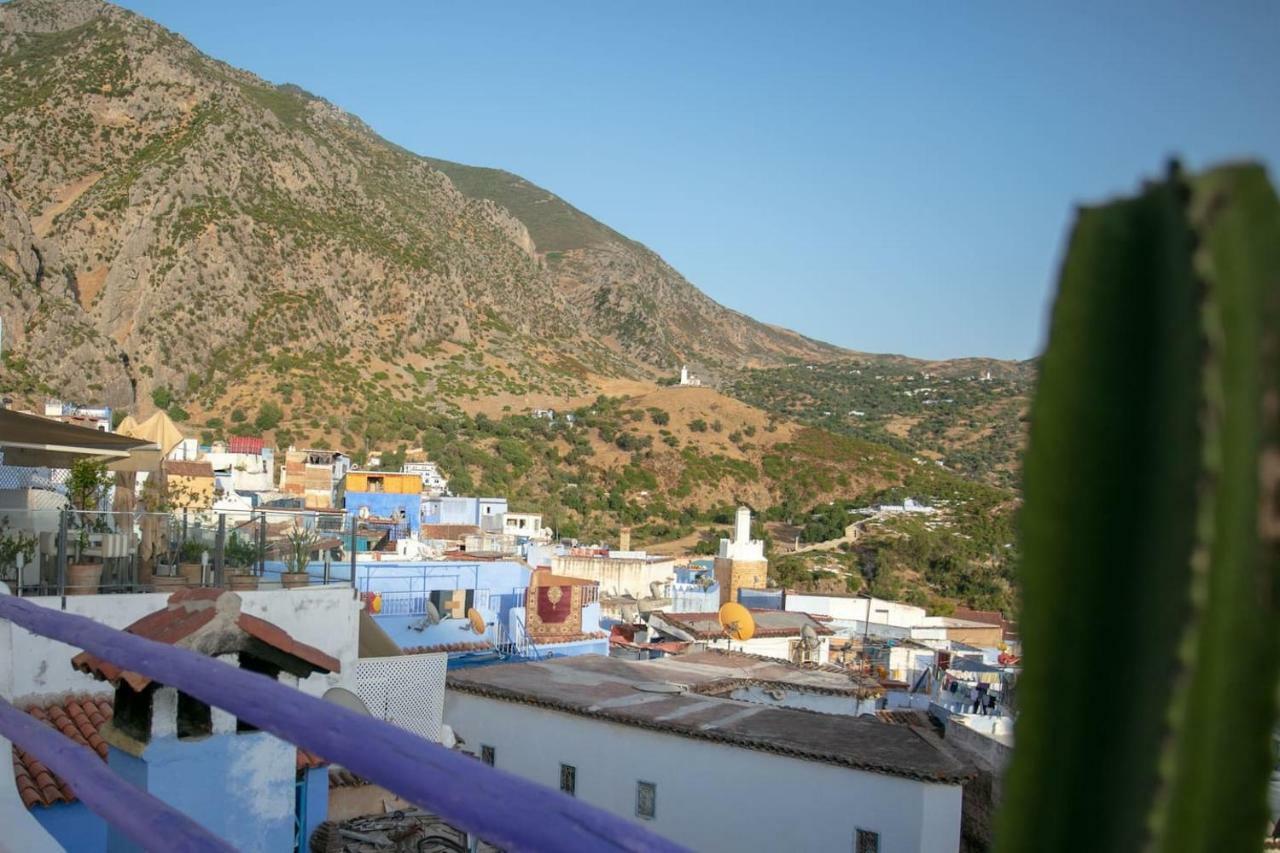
(462, 510)
(500, 578)
(134, 771)
(239, 786)
(386, 505)
(73, 826)
(317, 796)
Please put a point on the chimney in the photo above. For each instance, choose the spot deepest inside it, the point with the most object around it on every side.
(624, 539)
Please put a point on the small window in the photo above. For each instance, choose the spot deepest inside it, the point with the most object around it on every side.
(866, 841)
(646, 800)
(486, 754)
(568, 779)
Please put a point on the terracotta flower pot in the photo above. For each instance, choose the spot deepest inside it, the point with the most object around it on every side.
(168, 583)
(193, 572)
(290, 580)
(83, 578)
(242, 582)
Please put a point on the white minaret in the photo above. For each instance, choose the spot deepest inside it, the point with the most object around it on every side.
(684, 374)
(742, 526)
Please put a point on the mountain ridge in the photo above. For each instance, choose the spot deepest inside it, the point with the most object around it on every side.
(160, 177)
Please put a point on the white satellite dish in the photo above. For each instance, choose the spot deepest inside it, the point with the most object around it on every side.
(363, 512)
(344, 698)
(809, 637)
(433, 614)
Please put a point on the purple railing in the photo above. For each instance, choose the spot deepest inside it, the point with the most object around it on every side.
(499, 807)
(145, 820)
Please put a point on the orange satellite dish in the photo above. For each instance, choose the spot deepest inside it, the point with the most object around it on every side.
(737, 622)
(476, 620)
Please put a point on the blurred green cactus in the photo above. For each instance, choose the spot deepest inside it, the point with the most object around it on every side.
(1151, 529)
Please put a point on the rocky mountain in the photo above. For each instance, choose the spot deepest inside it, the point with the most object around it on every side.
(174, 226)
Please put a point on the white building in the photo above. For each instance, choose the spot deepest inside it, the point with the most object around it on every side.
(619, 573)
(688, 379)
(778, 634)
(433, 482)
(858, 610)
(526, 525)
(93, 417)
(242, 466)
(681, 745)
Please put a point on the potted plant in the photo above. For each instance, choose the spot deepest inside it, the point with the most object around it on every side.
(241, 553)
(191, 562)
(86, 486)
(300, 543)
(16, 551)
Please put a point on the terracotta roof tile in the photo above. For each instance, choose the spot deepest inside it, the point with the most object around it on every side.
(78, 718)
(477, 646)
(245, 444)
(188, 469)
(190, 610)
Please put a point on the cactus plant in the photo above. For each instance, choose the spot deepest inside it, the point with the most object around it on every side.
(1151, 529)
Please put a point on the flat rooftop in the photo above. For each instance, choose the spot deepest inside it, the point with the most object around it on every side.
(663, 695)
(769, 623)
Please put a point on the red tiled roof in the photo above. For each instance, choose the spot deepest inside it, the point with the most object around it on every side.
(191, 610)
(245, 444)
(80, 718)
(477, 646)
(447, 531)
(188, 469)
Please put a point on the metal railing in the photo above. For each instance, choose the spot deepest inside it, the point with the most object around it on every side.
(499, 807)
(73, 552)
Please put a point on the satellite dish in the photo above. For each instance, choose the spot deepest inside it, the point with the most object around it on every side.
(809, 637)
(433, 613)
(476, 620)
(345, 698)
(363, 512)
(737, 622)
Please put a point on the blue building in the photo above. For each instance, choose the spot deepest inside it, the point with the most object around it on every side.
(485, 513)
(387, 498)
(424, 606)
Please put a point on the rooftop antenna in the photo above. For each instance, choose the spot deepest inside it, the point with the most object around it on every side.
(737, 623)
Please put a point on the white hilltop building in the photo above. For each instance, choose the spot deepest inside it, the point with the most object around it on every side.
(687, 379)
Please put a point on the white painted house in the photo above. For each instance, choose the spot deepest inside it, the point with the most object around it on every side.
(661, 743)
(778, 634)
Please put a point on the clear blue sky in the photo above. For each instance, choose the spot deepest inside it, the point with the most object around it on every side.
(889, 177)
